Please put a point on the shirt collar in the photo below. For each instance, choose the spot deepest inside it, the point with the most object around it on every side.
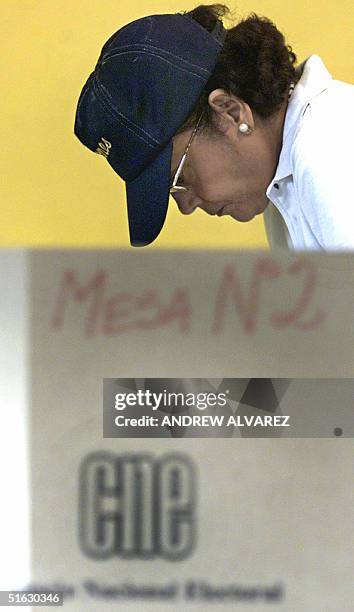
(315, 78)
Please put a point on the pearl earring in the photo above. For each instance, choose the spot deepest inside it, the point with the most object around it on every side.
(244, 128)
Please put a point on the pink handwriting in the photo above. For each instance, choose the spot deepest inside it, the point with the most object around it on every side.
(147, 310)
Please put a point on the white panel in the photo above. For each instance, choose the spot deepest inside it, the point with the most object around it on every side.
(14, 452)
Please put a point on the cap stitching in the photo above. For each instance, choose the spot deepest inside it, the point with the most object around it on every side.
(126, 122)
(175, 65)
(146, 47)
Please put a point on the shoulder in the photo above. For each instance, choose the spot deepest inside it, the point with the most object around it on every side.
(322, 166)
(323, 102)
(324, 120)
(324, 134)
(322, 148)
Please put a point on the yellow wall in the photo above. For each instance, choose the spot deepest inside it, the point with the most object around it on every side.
(53, 190)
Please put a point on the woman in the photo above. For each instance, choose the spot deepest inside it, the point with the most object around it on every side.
(223, 121)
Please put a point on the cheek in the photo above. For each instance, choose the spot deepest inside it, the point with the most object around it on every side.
(221, 175)
(258, 167)
(217, 190)
(213, 179)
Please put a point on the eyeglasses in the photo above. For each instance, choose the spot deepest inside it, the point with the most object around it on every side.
(178, 188)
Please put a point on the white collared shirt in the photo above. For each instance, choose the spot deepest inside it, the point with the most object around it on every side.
(312, 193)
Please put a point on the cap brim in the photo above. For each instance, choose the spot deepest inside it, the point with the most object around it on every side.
(147, 199)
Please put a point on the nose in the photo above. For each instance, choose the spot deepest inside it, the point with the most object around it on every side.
(186, 202)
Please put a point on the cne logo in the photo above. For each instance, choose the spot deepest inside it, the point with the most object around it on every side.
(137, 506)
(104, 147)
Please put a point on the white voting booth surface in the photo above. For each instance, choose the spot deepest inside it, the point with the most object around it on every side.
(160, 524)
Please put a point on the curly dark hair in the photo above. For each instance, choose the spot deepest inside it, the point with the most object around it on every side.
(255, 64)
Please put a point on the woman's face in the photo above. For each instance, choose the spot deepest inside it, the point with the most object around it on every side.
(228, 172)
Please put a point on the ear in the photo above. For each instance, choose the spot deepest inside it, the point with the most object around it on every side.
(230, 111)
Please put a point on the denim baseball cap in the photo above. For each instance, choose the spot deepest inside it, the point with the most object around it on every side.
(146, 83)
